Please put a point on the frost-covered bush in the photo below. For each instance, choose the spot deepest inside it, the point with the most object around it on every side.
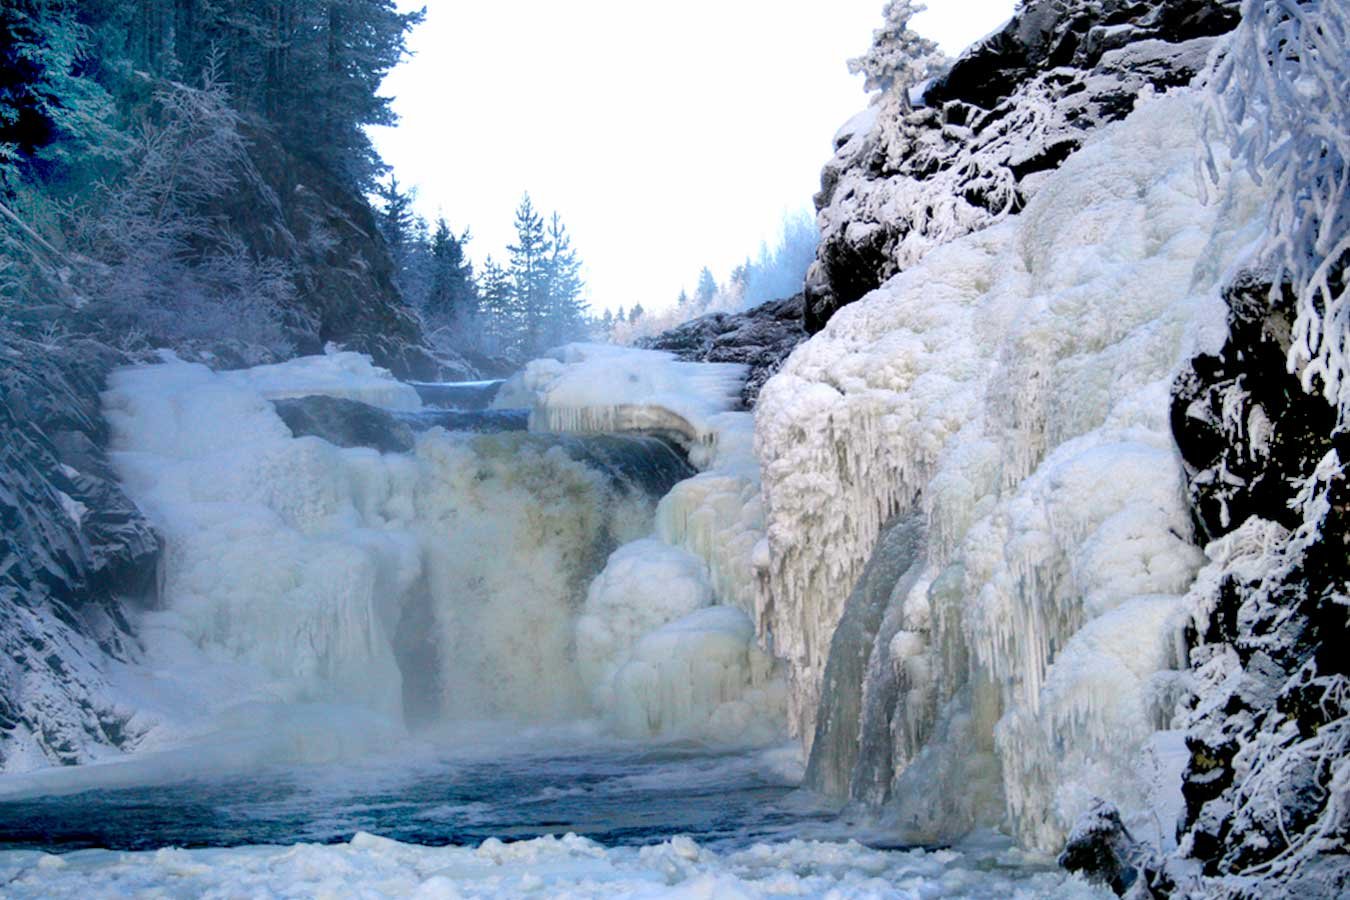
(1280, 97)
(165, 262)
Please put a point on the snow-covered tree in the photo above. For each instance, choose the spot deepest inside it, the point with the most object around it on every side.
(451, 294)
(707, 287)
(49, 115)
(899, 58)
(167, 266)
(497, 312)
(565, 314)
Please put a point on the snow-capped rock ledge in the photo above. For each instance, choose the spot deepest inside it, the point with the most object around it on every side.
(989, 132)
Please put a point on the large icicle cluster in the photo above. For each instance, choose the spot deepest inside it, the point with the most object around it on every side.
(1013, 387)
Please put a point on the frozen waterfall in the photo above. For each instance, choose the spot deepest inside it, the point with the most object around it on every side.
(1003, 404)
(457, 575)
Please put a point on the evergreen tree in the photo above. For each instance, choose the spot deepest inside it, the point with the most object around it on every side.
(566, 318)
(898, 58)
(528, 269)
(707, 288)
(451, 294)
(403, 234)
(636, 312)
(50, 116)
(497, 308)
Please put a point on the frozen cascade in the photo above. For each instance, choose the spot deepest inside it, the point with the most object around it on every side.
(444, 582)
(1013, 386)
(683, 659)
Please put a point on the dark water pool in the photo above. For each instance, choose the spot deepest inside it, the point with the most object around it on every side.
(615, 797)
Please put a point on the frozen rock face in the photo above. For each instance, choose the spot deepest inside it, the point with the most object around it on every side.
(1009, 111)
(71, 547)
(1012, 386)
(760, 338)
(1268, 731)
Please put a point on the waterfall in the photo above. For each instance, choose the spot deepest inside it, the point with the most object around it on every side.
(437, 578)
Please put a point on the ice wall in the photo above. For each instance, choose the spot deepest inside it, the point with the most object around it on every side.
(443, 583)
(1013, 386)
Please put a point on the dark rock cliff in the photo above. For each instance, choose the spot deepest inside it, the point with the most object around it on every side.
(1269, 728)
(292, 210)
(72, 545)
(1013, 107)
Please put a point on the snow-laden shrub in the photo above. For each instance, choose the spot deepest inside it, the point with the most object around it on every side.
(1279, 96)
(165, 262)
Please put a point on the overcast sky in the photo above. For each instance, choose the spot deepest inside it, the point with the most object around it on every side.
(668, 136)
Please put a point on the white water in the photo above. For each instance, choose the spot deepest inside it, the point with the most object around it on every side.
(569, 866)
(443, 584)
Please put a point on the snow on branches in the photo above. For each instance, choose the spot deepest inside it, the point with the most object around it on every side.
(1278, 95)
(899, 57)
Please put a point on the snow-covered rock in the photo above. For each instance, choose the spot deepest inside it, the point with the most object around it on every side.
(1012, 108)
(760, 338)
(73, 548)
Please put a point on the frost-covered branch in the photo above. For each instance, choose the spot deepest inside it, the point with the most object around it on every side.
(1279, 98)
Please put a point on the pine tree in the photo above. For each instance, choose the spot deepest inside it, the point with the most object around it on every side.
(451, 294)
(405, 236)
(496, 308)
(707, 288)
(566, 309)
(50, 116)
(529, 279)
(636, 312)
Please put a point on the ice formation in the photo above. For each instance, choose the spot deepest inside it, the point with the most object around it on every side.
(566, 866)
(654, 671)
(605, 389)
(1013, 387)
(440, 583)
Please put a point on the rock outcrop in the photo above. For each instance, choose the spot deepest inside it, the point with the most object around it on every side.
(290, 209)
(1269, 728)
(72, 547)
(1013, 107)
(760, 338)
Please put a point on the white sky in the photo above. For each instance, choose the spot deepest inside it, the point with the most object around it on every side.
(668, 136)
